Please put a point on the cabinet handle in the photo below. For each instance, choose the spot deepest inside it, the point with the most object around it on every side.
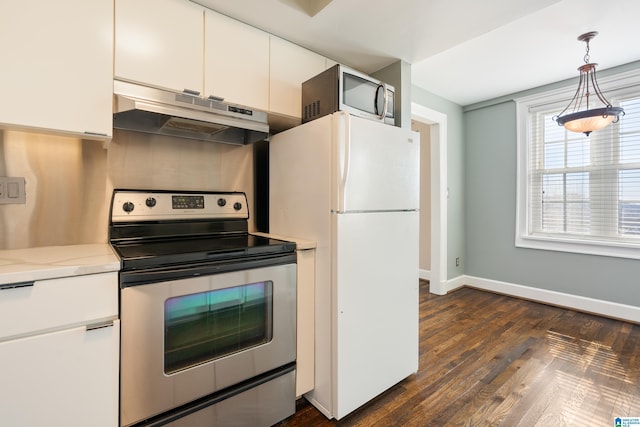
(216, 98)
(16, 285)
(191, 92)
(86, 132)
(99, 325)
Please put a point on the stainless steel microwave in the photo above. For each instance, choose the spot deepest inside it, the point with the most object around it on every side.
(341, 88)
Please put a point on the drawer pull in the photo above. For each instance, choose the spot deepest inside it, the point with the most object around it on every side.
(89, 133)
(16, 285)
(99, 325)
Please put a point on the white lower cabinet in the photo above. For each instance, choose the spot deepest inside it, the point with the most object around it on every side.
(305, 337)
(59, 352)
(63, 378)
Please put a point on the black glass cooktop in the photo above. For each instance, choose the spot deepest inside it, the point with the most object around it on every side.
(153, 253)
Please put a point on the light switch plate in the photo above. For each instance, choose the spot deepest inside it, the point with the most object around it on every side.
(12, 190)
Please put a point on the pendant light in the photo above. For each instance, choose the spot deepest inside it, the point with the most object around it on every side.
(580, 115)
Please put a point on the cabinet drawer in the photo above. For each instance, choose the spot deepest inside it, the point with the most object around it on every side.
(50, 304)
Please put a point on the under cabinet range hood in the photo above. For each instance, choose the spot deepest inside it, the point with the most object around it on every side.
(186, 115)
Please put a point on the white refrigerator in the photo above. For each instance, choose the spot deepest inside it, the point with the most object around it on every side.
(352, 185)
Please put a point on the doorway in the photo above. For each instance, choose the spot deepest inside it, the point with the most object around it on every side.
(425, 197)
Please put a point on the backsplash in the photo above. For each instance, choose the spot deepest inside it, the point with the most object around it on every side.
(69, 181)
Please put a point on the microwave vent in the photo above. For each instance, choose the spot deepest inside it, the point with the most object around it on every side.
(312, 111)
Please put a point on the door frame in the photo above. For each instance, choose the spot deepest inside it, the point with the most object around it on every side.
(439, 190)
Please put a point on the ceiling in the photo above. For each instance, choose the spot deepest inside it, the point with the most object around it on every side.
(465, 51)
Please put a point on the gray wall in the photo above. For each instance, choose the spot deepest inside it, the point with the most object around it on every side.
(456, 240)
(398, 75)
(490, 185)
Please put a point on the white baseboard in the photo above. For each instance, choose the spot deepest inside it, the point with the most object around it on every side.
(455, 283)
(446, 286)
(576, 302)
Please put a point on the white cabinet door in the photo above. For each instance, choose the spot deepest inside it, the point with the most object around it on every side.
(160, 43)
(236, 61)
(305, 332)
(57, 62)
(290, 66)
(67, 378)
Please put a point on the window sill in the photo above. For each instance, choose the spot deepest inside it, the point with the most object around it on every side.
(620, 250)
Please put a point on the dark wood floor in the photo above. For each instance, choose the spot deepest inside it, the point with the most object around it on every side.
(487, 359)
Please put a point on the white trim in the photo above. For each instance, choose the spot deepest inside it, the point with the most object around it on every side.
(522, 160)
(589, 305)
(446, 286)
(438, 281)
(455, 283)
(611, 249)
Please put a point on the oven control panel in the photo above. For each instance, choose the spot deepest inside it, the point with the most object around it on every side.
(134, 205)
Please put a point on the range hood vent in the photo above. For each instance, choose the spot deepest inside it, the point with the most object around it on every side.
(186, 115)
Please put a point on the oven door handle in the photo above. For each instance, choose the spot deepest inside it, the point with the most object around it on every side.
(162, 274)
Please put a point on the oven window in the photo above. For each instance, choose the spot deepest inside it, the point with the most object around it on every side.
(209, 325)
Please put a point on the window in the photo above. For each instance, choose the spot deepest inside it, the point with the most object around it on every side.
(580, 193)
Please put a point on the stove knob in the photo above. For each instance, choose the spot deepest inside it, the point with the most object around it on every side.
(150, 202)
(222, 202)
(128, 207)
(237, 206)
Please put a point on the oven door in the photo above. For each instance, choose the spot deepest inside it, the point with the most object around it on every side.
(188, 338)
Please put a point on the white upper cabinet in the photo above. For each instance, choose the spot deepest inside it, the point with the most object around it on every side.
(236, 61)
(290, 66)
(57, 65)
(178, 45)
(160, 43)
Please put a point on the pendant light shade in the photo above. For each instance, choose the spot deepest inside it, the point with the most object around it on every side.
(580, 115)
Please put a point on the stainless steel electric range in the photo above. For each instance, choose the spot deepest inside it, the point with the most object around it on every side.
(208, 312)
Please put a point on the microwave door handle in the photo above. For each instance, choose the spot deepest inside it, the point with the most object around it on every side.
(385, 101)
(375, 102)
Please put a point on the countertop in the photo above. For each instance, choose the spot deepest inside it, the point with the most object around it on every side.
(50, 262)
(301, 244)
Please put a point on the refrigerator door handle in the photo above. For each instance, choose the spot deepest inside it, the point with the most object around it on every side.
(346, 158)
